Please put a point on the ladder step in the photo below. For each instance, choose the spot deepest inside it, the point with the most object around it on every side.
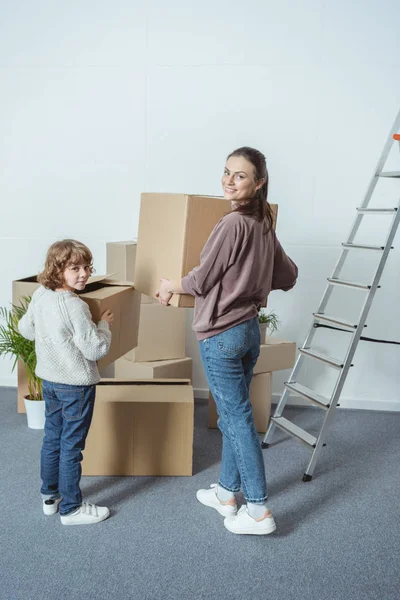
(395, 174)
(363, 247)
(295, 431)
(312, 396)
(336, 320)
(376, 211)
(353, 284)
(332, 362)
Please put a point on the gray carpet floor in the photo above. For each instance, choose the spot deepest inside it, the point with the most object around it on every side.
(338, 537)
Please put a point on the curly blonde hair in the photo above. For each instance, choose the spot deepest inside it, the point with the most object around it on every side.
(59, 256)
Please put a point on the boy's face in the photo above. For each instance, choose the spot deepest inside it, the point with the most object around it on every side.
(76, 276)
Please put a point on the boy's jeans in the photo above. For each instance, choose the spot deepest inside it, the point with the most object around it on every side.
(69, 410)
(228, 359)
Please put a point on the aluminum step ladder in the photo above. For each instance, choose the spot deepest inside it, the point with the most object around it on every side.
(329, 405)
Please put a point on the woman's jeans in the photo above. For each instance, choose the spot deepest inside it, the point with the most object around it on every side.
(228, 359)
(69, 410)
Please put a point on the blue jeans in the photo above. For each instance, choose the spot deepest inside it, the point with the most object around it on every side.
(228, 359)
(69, 411)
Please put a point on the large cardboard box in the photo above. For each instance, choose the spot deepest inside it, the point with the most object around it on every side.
(100, 295)
(260, 398)
(275, 355)
(161, 334)
(141, 428)
(120, 263)
(173, 229)
(178, 368)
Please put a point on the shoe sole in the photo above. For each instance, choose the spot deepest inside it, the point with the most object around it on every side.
(98, 520)
(220, 509)
(271, 529)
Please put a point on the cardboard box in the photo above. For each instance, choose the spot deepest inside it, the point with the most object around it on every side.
(170, 244)
(120, 260)
(161, 334)
(260, 398)
(120, 263)
(179, 368)
(275, 355)
(141, 428)
(122, 300)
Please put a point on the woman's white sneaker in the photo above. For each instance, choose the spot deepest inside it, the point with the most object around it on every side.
(50, 506)
(209, 498)
(86, 514)
(244, 524)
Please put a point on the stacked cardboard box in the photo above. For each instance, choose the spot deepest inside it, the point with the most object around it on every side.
(275, 355)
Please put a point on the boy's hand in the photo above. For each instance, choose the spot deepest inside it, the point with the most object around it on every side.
(107, 316)
(163, 295)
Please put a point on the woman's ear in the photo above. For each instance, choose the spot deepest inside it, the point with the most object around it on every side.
(260, 183)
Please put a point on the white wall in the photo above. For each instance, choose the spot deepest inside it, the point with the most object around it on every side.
(103, 100)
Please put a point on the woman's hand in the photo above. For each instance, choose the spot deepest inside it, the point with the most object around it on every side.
(163, 295)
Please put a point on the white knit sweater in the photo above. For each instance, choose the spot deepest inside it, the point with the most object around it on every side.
(67, 342)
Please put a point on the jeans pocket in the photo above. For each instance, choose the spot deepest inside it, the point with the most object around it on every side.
(233, 341)
(72, 401)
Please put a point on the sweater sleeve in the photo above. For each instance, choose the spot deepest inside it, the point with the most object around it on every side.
(216, 257)
(93, 341)
(285, 271)
(26, 324)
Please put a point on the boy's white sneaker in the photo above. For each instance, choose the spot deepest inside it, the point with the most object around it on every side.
(243, 523)
(50, 506)
(86, 514)
(209, 498)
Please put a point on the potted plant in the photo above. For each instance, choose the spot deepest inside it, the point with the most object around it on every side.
(13, 344)
(269, 322)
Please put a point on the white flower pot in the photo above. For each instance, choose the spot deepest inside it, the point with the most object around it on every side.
(263, 331)
(35, 413)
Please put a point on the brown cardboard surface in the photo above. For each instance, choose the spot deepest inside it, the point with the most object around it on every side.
(170, 245)
(120, 260)
(180, 368)
(275, 355)
(260, 398)
(161, 333)
(141, 428)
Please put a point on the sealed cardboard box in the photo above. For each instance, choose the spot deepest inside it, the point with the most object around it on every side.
(178, 368)
(120, 260)
(141, 428)
(260, 398)
(161, 334)
(100, 295)
(120, 263)
(173, 229)
(275, 355)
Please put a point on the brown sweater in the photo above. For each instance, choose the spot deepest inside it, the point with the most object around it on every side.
(239, 266)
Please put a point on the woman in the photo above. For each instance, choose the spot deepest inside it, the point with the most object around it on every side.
(240, 264)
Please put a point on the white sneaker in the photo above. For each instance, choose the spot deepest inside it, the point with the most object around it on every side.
(86, 514)
(210, 498)
(243, 523)
(50, 506)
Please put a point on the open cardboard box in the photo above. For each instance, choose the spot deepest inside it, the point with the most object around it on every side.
(177, 368)
(275, 355)
(173, 229)
(141, 427)
(99, 294)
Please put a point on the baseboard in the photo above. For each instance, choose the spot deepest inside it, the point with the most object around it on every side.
(348, 403)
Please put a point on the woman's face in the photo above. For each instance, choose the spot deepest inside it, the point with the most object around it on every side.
(238, 181)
